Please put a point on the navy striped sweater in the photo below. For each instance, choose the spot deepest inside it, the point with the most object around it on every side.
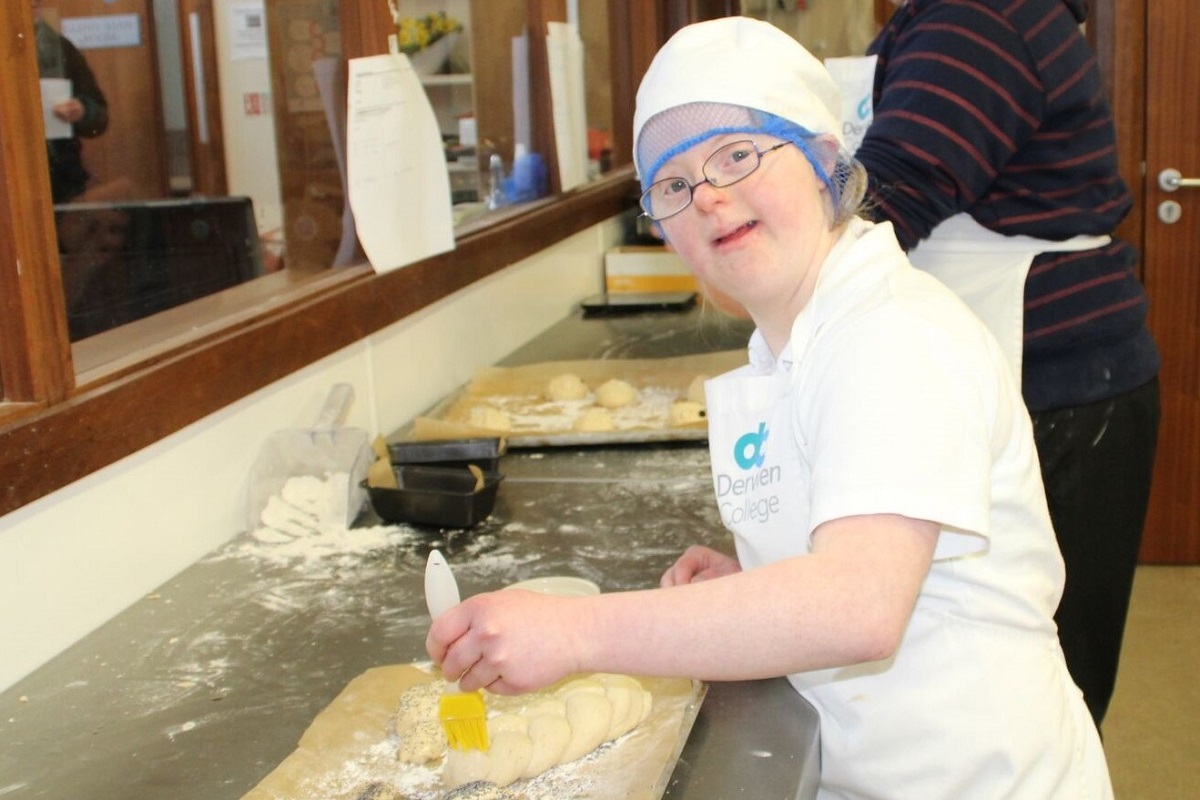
(995, 108)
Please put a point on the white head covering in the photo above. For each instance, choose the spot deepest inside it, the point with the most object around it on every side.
(733, 61)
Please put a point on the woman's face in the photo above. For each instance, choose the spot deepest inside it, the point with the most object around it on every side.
(761, 241)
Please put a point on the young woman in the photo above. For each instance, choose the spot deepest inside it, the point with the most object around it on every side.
(874, 462)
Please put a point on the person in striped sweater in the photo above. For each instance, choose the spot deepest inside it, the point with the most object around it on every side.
(993, 148)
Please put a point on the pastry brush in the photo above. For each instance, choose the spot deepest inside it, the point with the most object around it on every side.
(463, 714)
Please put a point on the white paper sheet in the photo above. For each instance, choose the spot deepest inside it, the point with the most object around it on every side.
(564, 50)
(333, 99)
(248, 32)
(55, 91)
(522, 120)
(399, 186)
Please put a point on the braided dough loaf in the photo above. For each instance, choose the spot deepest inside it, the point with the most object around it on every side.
(545, 729)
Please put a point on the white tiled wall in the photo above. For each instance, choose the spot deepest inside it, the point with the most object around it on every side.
(74, 559)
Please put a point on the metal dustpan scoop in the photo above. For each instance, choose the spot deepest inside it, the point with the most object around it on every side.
(328, 463)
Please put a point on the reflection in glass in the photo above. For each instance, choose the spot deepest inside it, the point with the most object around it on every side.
(123, 262)
(212, 100)
(827, 30)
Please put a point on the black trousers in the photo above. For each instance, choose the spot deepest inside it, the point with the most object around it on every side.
(1096, 463)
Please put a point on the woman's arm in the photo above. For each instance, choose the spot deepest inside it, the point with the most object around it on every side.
(847, 602)
(956, 95)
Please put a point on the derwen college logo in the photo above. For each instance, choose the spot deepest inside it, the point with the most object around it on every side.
(748, 497)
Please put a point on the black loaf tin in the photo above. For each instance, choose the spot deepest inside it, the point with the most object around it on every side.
(483, 452)
(441, 496)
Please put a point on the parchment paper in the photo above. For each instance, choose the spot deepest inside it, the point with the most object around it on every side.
(520, 392)
(349, 748)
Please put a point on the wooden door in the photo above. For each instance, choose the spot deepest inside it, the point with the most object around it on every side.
(206, 140)
(1171, 269)
(129, 159)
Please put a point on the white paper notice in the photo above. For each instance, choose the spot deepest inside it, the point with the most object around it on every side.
(399, 186)
(248, 31)
(564, 50)
(522, 118)
(55, 91)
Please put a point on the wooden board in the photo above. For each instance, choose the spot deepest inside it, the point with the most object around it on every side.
(349, 748)
(520, 392)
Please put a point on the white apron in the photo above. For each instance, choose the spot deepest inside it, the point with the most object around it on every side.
(915, 726)
(988, 271)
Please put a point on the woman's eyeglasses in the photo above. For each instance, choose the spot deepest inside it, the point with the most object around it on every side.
(725, 167)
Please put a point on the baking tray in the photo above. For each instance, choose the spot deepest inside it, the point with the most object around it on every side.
(348, 749)
(440, 496)
(537, 421)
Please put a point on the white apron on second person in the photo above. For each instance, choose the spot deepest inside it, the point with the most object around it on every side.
(988, 271)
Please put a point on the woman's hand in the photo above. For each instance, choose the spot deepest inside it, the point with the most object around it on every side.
(69, 110)
(509, 642)
(699, 563)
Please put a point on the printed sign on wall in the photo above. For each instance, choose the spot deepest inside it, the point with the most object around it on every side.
(95, 33)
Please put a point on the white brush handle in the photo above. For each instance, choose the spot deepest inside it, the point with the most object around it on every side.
(441, 590)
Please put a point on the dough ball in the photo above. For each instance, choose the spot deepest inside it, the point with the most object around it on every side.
(567, 386)
(621, 699)
(588, 684)
(417, 705)
(695, 391)
(685, 412)
(546, 705)
(595, 419)
(491, 418)
(465, 766)
(616, 393)
(628, 699)
(506, 722)
(647, 707)
(549, 734)
(425, 741)
(509, 752)
(589, 715)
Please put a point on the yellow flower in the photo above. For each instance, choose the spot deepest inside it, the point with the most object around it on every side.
(416, 33)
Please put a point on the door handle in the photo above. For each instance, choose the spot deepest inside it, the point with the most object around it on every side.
(1169, 180)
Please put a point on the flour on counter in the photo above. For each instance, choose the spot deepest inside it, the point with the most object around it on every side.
(306, 522)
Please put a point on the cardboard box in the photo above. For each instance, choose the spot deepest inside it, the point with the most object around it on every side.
(646, 268)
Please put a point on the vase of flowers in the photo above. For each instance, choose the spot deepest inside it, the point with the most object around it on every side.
(427, 40)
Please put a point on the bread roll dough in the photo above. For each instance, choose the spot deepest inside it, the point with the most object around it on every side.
(549, 734)
(629, 703)
(546, 705)
(465, 766)
(695, 391)
(491, 418)
(509, 754)
(422, 742)
(417, 706)
(589, 714)
(567, 386)
(616, 393)
(551, 728)
(589, 684)
(507, 722)
(685, 412)
(595, 419)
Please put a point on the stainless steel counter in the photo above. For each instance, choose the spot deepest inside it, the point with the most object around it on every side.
(202, 688)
